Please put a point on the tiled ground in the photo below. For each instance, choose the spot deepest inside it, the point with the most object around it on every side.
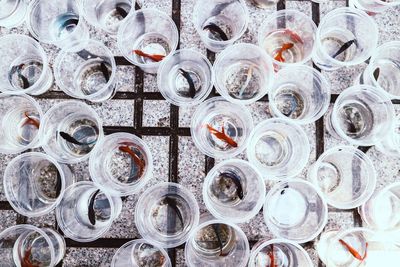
(139, 108)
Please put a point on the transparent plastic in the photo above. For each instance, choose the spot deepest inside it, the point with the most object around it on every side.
(373, 7)
(12, 13)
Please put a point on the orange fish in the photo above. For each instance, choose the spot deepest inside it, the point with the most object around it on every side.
(272, 256)
(294, 36)
(25, 261)
(353, 251)
(135, 158)
(31, 121)
(222, 136)
(155, 58)
(284, 47)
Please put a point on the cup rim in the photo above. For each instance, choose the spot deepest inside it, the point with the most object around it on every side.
(163, 65)
(250, 214)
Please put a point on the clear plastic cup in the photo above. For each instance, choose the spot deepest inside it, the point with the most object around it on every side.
(20, 117)
(87, 212)
(70, 131)
(87, 71)
(295, 210)
(383, 70)
(106, 14)
(300, 93)
(185, 78)
(345, 37)
(12, 13)
(220, 22)
(27, 245)
(217, 243)
(140, 252)
(264, 3)
(234, 190)
(121, 163)
(362, 115)
(57, 22)
(152, 34)
(219, 130)
(345, 175)
(288, 37)
(350, 247)
(373, 7)
(243, 73)
(279, 251)
(166, 214)
(278, 148)
(24, 66)
(34, 183)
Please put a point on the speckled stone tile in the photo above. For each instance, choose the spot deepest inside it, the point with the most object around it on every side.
(343, 78)
(328, 6)
(180, 258)
(150, 83)
(302, 6)
(256, 228)
(88, 257)
(125, 78)
(156, 113)
(4, 160)
(388, 23)
(8, 219)
(339, 220)
(48, 220)
(185, 115)
(189, 37)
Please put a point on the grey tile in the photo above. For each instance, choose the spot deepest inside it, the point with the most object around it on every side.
(88, 257)
(125, 78)
(8, 219)
(156, 113)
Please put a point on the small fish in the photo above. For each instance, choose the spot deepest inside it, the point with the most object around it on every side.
(216, 30)
(31, 121)
(91, 212)
(344, 47)
(236, 180)
(58, 184)
(284, 47)
(248, 79)
(25, 262)
(222, 136)
(135, 158)
(192, 88)
(104, 70)
(271, 256)
(121, 11)
(216, 228)
(376, 73)
(72, 140)
(156, 58)
(70, 22)
(353, 251)
(172, 204)
(17, 69)
(294, 36)
(283, 190)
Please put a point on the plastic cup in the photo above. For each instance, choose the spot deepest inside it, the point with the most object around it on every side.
(217, 243)
(70, 131)
(140, 252)
(57, 22)
(216, 116)
(12, 13)
(27, 245)
(362, 115)
(166, 214)
(243, 73)
(34, 183)
(106, 15)
(275, 251)
(24, 66)
(87, 71)
(86, 212)
(234, 190)
(288, 37)
(295, 210)
(114, 168)
(383, 70)
(264, 3)
(300, 93)
(220, 22)
(278, 148)
(185, 78)
(20, 117)
(345, 37)
(372, 7)
(150, 31)
(345, 175)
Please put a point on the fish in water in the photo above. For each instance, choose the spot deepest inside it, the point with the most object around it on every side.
(72, 140)
(217, 31)
(121, 11)
(217, 230)
(25, 261)
(31, 121)
(353, 251)
(279, 56)
(376, 73)
(192, 88)
(17, 69)
(155, 58)
(172, 204)
(236, 180)
(91, 212)
(344, 47)
(222, 136)
(138, 161)
(271, 256)
(294, 36)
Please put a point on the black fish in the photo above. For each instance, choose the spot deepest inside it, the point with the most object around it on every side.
(172, 204)
(376, 73)
(25, 82)
(91, 212)
(283, 190)
(344, 47)
(17, 69)
(104, 70)
(216, 29)
(236, 180)
(192, 89)
(58, 184)
(121, 11)
(84, 54)
(216, 228)
(72, 140)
